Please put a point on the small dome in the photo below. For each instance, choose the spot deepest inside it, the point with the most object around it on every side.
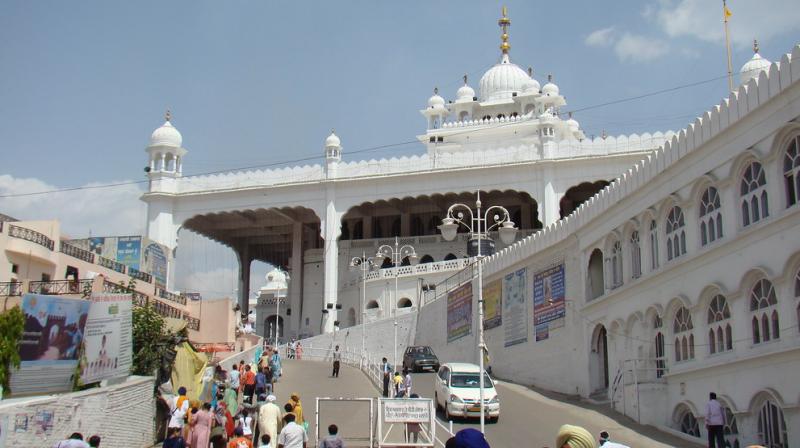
(502, 80)
(465, 93)
(752, 68)
(332, 141)
(530, 85)
(276, 280)
(547, 116)
(436, 101)
(166, 135)
(573, 124)
(550, 89)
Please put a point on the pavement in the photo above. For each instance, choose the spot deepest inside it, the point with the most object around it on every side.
(528, 418)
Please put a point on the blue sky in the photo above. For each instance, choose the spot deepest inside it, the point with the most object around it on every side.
(83, 84)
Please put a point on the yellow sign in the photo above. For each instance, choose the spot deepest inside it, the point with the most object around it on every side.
(492, 302)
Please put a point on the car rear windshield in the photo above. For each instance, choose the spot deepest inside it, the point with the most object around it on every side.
(469, 380)
(422, 351)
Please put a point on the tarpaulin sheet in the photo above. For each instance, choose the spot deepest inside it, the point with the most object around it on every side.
(187, 371)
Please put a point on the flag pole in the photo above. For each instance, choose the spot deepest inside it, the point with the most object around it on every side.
(726, 13)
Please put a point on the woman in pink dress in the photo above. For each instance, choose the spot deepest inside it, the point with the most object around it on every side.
(201, 427)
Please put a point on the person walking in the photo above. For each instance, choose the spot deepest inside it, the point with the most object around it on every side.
(94, 441)
(292, 435)
(233, 379)
(246, 423)
(332, 440)
(386, 368)
(262, 381)
(399, 386)
(74, 441)
(275, 366)
(715, 422)
(179, 409)
(605, 441)
(297, 408)
(269, 418)
(248, 381)
(239, 440)
(570, 436)
(407, 382)
(298, 351)
(201, 427)
(337, 358)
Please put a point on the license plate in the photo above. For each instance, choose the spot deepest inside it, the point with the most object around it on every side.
(474, 409)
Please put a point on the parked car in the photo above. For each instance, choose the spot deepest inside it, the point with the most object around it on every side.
(419, 358)
(457, 391)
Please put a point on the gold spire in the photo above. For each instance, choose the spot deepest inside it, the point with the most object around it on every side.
(504, 23)
(755, 45)
(168, 115)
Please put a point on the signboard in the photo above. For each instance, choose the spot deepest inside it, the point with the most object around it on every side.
(129, 251)
(492, 303)
(542, 332)
(108, 343)
(459, 312)
(51, 343)
(412, 410)
(515, 308)
(105, 247)
(193, 295)
(548, 295)
(155, 263)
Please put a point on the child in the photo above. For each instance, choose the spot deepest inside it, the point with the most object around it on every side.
(265, 439)
(332, 440)
(399, 387)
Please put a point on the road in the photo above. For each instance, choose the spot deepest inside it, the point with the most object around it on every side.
(527, 419)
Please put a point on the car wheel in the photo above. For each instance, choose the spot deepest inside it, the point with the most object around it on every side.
(495, 419)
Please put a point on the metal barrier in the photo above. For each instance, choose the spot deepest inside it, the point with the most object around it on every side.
(350, 415)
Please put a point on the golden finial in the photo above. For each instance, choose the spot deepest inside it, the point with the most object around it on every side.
(504, 23)
(168, 115)
(755, 45)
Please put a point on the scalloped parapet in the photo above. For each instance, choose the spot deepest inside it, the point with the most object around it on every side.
(780, 76)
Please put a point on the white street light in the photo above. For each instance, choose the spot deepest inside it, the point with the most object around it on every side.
(479, 226)
(365, 265)
(396, 254)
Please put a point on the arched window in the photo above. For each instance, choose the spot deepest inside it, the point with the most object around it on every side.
(791, 171)
(676, 234)
(372, 305)
(710, 217)
(753, 192)
(405, 262)
(731, 429)
(463, 116)
(387, 263)
(772, 426)
(358, 230)
(426, 259)
(720, 333)
(616, 264)
(684, 338)
(404, 303)
(763, 306)
(636, 255)
(661, 364)
(653, 245)
(596, 288)
(449, 257)
(686, 421)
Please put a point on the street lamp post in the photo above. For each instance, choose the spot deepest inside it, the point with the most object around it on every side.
(396, 254)
(365, 265)
(479, 225)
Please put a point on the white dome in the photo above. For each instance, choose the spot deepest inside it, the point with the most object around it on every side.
(500, 81)
(573, 124)
(331, 141)
(752, 68)
(465, 93)
(436, 101)
(531, 86)
(276, 280)
(166, 135)
(550, 89)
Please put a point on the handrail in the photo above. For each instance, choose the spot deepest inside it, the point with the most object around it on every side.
(171, 296)
(111, 264)
(31, 235)
(10, 289)
(76, 252)
(60, 287)
(140, 275)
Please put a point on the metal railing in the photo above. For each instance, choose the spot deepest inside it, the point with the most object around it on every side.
(140, 275)
(425, 268)
(77, 252)
(60, 287)
(111, 264)
(30, 235)
(634, 368)
(138, 298)
(10, 289)
(167, 310)
(192, 323)
(171, 296)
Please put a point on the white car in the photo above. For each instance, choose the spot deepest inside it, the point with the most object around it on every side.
(457, 391)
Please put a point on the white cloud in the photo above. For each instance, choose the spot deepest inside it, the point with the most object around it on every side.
(101, 211)
(222, 282)
(702, 19)
(600, 38)
(636, 48)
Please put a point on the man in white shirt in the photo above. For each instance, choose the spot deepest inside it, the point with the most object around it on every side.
(292, 435)
(233, 377)
(337, 358)
(74, 441)
(606, 443)
(715, 422)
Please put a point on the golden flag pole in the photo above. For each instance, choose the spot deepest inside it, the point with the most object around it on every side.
(726, 14)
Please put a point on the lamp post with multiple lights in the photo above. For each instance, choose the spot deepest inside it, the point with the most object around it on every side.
(396, 254)
(364, 264)
(479, 225)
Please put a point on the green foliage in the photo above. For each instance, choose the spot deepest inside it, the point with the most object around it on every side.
(12, 324)
(150, 340)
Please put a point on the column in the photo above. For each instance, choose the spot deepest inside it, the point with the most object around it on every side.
(296, 277)
(331, 230)
(550, 205)
(244, 278)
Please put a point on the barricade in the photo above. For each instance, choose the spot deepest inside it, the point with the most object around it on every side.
(355, 418)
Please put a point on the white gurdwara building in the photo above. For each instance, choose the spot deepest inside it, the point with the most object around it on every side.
(678, 252)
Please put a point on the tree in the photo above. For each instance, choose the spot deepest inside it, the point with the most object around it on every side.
(151, 340)
(12, 324)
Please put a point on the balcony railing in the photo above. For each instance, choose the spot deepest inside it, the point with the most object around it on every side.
(111, 264)
(171, 296)
(140, 275)
(138, 298)
(60, 287)
(425, 268)
(167, 310)
(192, 323)
(77, 252)
(30, 235)
(10, 288)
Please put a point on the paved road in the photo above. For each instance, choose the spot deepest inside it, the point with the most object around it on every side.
(528, 419)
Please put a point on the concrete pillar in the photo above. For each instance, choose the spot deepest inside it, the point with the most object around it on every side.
(331, 230)
(550, 205)
(296, 278)
(243, 255)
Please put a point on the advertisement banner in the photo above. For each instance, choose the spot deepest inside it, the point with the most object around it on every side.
(407, 410)
(492, 305)
(108, 343)
(155, 263)
(548, 295)
(51, 343)
(515, 308)
(129, 251)
(105, 247)
(459, 312)
(542, 332)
